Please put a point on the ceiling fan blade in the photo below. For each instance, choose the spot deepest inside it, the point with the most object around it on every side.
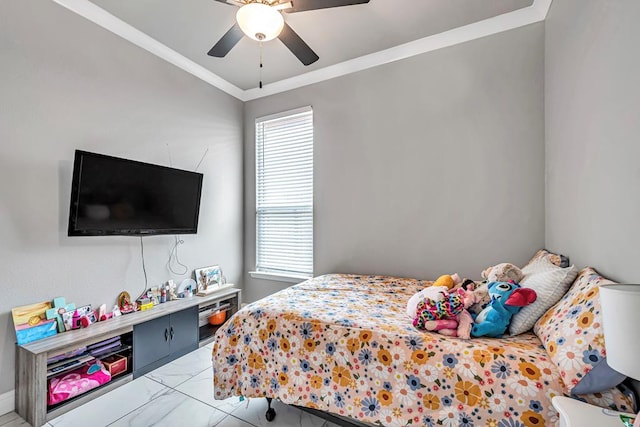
(227, 42)
(282, 6)
(302, 5)
(297, 46)
(232, 2)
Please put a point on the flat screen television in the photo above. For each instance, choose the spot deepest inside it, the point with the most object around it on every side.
(114, 196)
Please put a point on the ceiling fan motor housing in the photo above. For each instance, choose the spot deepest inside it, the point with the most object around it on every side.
(260, 21)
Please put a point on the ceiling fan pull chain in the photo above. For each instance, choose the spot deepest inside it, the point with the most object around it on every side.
(260, 65)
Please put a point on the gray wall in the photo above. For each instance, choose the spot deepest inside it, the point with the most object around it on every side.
(66, 84)
(426, 166)
(592, 106)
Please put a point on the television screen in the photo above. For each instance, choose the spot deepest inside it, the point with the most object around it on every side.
(113, 196)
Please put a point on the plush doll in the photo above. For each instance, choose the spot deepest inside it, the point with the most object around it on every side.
(504, 272)
(507, 298)
(458, 327)
(448, 280)
(435, 292)
(447, 315)
(481, 295)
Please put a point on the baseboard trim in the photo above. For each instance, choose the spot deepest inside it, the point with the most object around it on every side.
(7, 402)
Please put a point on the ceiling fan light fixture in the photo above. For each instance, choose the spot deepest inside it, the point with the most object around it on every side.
(259, 21)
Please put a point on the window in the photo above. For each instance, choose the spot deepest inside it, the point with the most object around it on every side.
(284, 194)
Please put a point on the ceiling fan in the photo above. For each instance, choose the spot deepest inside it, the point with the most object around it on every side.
(262, 20)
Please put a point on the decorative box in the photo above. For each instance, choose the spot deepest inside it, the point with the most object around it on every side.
(115, 364)
(147, 306)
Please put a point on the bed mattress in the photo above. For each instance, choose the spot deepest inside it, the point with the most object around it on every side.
(344, 344)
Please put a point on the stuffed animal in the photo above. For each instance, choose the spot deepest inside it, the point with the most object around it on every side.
(459, 327)
(481, 295)
(435, 293)
(448, 280)
(504, 272)
(447, 315)
(507, 298)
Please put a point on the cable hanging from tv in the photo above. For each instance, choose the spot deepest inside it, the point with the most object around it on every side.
(173, 254)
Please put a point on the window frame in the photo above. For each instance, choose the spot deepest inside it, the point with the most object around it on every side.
(266, 274)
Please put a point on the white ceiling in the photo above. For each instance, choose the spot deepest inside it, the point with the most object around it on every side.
(346, 38)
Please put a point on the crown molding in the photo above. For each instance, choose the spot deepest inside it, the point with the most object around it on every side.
(117, 26)
(518, 18)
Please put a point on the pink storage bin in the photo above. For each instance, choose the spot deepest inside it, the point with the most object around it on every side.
(76, 382)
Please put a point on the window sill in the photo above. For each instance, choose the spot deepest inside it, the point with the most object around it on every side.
(279, 277)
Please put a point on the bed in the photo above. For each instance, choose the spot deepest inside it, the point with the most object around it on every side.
(343, 344)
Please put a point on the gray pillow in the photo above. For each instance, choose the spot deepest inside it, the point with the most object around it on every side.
(600, 378)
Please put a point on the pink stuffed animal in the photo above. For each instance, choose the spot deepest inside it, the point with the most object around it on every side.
(448, 316)
(435, 292)
(459, 327)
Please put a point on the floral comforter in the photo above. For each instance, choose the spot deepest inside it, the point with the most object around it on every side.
(344, 344)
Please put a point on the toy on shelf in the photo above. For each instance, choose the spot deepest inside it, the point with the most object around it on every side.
(124, 303)
(146, 306)
(82, 317)
(57, 311)
(187, 288)
(31, 324)
(103, 315)
(146, 300)
(172, 290)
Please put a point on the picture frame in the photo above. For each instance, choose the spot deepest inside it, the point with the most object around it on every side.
(208, 277)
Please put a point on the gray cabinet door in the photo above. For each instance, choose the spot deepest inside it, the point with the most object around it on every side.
(184, 331)
(151, 341)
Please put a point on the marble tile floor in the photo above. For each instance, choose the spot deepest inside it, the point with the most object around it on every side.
(178, 394)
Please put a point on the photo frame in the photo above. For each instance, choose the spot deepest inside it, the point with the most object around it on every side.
(208, 277)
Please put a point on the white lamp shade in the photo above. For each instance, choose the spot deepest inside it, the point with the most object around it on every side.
(621, 323)
(260, 21)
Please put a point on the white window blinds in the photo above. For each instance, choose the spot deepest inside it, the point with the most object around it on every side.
(284, 193)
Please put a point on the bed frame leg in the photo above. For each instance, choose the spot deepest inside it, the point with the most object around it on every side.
(271, 413)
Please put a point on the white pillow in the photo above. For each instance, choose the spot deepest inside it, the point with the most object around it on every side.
(550, 283)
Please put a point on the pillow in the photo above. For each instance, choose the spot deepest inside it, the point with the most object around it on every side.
(550, 283)
(600, 377)
(572, 333)
(556, 259)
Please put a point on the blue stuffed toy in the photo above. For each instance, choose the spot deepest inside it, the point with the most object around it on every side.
(507, 298)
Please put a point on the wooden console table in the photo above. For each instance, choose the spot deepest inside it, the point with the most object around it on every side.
(138, 331)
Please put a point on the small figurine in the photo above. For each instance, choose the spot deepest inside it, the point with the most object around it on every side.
(124, 303)
(172, 289)
(75, 320)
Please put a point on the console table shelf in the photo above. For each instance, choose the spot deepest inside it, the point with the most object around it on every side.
(180, 316)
